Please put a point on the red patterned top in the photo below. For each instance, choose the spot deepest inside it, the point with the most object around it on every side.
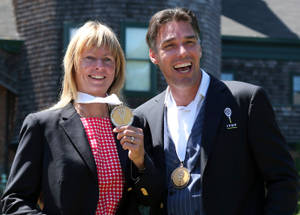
(110, 177)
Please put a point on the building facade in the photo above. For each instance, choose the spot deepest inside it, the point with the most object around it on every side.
(260, 45)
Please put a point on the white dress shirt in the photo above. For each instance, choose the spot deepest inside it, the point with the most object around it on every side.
(180, 119)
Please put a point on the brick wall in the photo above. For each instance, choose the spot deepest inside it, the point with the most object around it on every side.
(39, 78)
(275, 78)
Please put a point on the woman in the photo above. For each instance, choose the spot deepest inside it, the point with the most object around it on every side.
(68, 155)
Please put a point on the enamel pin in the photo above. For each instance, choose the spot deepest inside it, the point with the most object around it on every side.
(228, 113)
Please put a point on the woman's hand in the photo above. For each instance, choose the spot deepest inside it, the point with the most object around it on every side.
(132, 138)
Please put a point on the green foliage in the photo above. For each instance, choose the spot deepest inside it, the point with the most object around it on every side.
(298, 208)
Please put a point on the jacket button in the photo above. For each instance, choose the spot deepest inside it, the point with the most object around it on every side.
(161, 205)
(144, 191)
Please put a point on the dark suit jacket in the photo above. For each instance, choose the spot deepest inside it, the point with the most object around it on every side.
(245, 166)
(54, 159)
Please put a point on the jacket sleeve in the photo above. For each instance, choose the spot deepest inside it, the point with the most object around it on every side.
(271, 154)
(23, 185)
(148, 183)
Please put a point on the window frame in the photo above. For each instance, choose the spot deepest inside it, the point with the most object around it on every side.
(67, 31)
(153, 70)
(292, 75)
(9, 79)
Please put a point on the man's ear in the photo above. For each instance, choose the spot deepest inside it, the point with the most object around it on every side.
(200, 52)
(153, 56)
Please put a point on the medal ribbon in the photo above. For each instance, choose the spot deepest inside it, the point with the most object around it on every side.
(87, 99)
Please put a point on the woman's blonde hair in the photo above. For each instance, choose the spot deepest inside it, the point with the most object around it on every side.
(91, 34)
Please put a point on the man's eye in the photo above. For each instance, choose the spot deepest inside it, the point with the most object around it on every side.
(190, 42)
(168, 46)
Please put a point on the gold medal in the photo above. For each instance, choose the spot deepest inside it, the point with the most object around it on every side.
(121, 115)
(180, 177)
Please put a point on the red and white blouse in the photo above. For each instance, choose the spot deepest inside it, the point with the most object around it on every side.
(110, 176)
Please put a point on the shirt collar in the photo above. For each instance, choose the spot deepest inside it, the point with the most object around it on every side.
(201, 93)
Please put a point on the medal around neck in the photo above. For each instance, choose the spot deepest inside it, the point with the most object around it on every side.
(121, 115)
(180, 177)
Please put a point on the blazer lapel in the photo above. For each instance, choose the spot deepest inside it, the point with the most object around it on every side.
(156, 119)
(71, 123)
(214, 109)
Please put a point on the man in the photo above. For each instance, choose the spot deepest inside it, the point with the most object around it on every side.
(218, 144)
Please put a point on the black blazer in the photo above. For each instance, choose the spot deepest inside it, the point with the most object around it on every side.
(245, 165)
(54, 160)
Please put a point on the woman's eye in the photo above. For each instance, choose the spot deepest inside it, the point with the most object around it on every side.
(89, 58)
(108, 59)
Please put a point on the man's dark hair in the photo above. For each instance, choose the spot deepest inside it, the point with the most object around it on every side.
(168, 15)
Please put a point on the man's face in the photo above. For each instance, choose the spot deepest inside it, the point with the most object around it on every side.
(178, 54)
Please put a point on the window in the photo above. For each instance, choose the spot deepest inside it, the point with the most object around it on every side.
(227, 76)
(140, 73)
(296, 89)
(69, 31)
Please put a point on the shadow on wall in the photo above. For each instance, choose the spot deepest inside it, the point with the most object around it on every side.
(257, 15)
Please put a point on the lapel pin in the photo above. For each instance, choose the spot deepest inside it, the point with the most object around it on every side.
(228, 113)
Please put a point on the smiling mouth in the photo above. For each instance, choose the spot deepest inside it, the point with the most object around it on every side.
(97, 77)
(183, 67)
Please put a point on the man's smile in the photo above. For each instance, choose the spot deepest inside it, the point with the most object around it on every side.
(183, 67)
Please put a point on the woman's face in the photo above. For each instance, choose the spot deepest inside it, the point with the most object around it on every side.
(96, 71)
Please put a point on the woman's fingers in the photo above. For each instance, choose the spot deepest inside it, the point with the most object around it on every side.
(132, 139)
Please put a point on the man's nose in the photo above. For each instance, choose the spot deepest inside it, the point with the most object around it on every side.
(182, 51)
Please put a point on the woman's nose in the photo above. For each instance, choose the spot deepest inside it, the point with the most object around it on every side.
(99, 63)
